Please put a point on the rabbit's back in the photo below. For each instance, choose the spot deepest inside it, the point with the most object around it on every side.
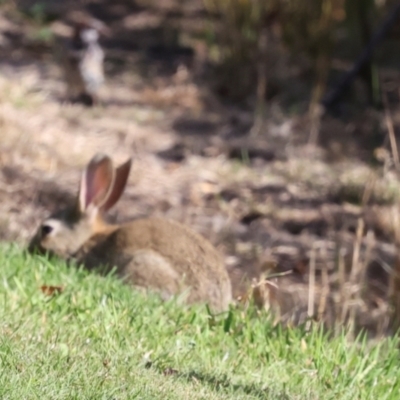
(164, 256)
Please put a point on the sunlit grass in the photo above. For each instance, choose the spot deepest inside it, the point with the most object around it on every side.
(99, 339)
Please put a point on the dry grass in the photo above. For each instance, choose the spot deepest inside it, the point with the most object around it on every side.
(342, 298)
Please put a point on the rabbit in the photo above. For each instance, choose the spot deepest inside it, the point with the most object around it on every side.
(82, 59)
(152, 253)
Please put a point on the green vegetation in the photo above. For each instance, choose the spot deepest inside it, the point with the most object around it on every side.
(95, 338)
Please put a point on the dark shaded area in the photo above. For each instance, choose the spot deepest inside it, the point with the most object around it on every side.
(175, 153)
(244, 152)
(339, 91)
(223, 383)
(46, 194)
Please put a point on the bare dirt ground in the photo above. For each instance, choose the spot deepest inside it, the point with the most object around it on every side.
(269, 203)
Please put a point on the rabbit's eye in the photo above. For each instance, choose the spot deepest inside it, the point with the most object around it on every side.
(46, 229)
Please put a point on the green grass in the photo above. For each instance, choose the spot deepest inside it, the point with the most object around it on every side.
(99, 339)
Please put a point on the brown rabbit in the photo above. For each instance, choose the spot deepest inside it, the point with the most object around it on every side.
(152, 253)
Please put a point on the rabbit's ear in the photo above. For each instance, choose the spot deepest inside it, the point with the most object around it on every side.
(96, 182)
(118, 186)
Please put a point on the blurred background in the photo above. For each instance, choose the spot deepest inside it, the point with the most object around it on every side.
(269, 126)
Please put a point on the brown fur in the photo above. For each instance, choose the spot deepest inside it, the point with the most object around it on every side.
(152, 253)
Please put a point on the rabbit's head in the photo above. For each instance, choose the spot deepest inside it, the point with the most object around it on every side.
(87, 31)
(66, 231)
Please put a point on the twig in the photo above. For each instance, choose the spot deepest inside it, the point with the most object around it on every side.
(342, 284)
(354, 276)
(311, 287)
(368, 189)
(333, 96)
(390, 128)
(325, 289)
(355, 264)
(315, 114)
(394, 293)
(261, 83)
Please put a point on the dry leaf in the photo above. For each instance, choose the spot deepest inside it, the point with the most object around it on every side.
(51, 290)
(170, 371)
